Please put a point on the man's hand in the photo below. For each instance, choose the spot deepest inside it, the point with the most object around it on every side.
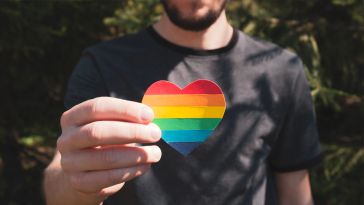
(97, 148)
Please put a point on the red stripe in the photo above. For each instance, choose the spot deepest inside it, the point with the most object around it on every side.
(164, 87)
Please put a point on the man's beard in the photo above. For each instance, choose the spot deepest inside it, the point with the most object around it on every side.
(190, 23)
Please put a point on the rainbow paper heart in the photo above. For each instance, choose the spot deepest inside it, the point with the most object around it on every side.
(186, 116)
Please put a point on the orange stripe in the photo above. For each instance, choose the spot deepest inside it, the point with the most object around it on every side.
(188, 111)
(185, 100)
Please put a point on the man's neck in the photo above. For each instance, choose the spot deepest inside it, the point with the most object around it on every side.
(216, 36)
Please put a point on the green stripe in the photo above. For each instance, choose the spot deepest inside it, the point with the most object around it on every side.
(187, 123)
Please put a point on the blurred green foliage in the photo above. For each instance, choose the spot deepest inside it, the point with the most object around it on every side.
(41, 41)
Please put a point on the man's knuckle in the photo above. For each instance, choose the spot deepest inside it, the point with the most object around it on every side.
(77, 181)
(65, 163)
(130, 109)
(126, 109)
(114, 176)
(138, 132)
(61, 143)
(92, 132)
(109, 157)
(63, 120)
(96, 106)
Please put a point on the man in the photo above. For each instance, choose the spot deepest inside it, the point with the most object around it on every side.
(257, 155)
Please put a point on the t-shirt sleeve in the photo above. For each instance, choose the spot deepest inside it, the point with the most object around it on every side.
(297, 146)
(85, 83)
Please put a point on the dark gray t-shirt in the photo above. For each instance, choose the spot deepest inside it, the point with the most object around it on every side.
(269, 124)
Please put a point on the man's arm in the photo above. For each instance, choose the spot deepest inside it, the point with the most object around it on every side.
(294, 188)
(58, 190)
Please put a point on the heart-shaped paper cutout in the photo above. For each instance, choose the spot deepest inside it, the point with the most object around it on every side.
(186, 116)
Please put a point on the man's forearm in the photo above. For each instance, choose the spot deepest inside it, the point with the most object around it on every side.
(294, 188)
(58, 191)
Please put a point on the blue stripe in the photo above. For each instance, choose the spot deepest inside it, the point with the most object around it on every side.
(185, 135)
(185, 147)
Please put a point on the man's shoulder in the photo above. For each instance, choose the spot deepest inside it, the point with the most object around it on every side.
(270, 58)
(260, 51)
(128, 43)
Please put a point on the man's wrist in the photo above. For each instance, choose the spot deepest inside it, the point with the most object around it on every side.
(58, 190)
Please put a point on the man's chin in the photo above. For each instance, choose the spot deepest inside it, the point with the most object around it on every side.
(199, 20)
(196, 24)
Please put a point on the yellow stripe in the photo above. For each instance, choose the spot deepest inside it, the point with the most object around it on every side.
(188, 111)
(185, 100)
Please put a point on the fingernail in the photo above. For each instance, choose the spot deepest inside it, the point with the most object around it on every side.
(157, 153)
(155, 132)
(147, 114)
